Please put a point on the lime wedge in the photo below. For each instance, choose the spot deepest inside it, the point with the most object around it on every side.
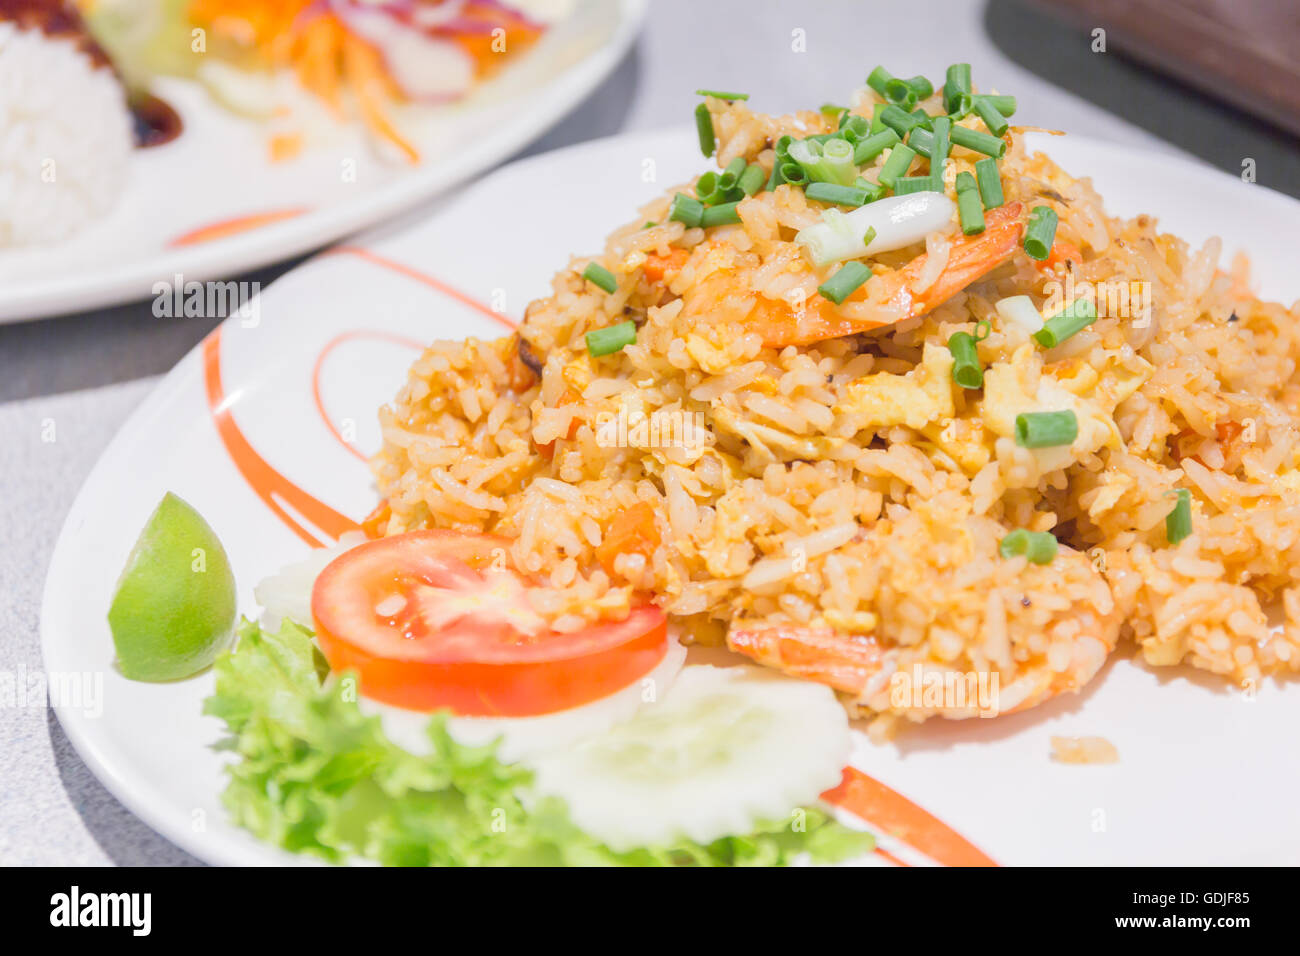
(174, 608)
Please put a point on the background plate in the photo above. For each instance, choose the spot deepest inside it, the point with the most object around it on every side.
(218, 170)
(1199, 778)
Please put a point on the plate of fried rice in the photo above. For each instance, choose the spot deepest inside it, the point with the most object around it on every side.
(987, 433)
(154, 145)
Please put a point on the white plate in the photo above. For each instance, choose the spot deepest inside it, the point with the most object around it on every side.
(1200, 779)
(218, 171)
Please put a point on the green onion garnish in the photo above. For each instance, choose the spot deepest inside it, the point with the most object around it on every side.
(827, 161)
(969, 210)
(611, 339)
(597, 274)
(900, 121)
(793, 173)
(923, 119)
(776, 179)
(897, 165)
(990, 183)
(731, 175)
(980, 142)
(875, 144)
(1006, 105)
(956, 88)
(855, 128)
(900, 93)
(868, 235)
(837, 194)
(922, 87)
(874, 191)
(905, 185)
(1075, 317)
(1038, 547)
(707, 188)
(878, 79)
(1041, 232)
(752, 179)
(939, 152)
(966, 369)
(847, 279)
(994, 120)
(718, 95)
(686, 209)
(720, 215)
(921, 140)
(704, 125)
(1046, 429)
(1178, 523)
(877, 124)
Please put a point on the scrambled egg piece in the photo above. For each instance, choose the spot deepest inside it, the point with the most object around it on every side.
(922, 396)
(1023, 384)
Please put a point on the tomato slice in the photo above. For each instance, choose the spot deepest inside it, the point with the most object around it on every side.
(440, 619)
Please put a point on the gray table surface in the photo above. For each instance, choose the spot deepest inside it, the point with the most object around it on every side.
(87, 372)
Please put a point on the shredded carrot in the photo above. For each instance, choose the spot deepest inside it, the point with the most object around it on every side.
(363, 68)
(633, 531)
(570, 397)
(376, 522)
(1062, 251)
(657, 266)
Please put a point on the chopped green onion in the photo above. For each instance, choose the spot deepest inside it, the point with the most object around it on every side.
(855, 129)
(776, 179)
(955, 86)
(922, 87)
(598, 275)
(966, 369)
(962, 106)
(969, 210)
(905, 185)
(868, 235)
(1046, 429)
(837, 194)
(720, 215)
(611, 339)
(898, 163)
(830, 109)
(874, 191)
(837, 161)
(1178, 523)
(900, 121)
(979, 142)
(1006, 105)
(878, 79)
(847, 279)
(793, 173)
(704, 126)
(990, 183)
(1041, 232)
(1038, 547)
(921, 140)
(994, 120)
(707, 188)
(731, 175)
(875, 144)
(939, 152)
(1074, 318)
(649, 224)
(752, 180)
(718, 95)
(877, 124)
(686, 210)
(900, 93)
(923, 119)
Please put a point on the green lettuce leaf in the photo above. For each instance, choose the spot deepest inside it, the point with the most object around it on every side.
(315, 775)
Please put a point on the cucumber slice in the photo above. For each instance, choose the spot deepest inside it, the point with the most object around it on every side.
(726, 748)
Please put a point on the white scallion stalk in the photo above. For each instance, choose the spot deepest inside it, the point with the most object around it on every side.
(898, 220)
(1020, 310)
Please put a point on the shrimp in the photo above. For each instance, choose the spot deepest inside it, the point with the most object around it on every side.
(892, 296)
(1012, 655)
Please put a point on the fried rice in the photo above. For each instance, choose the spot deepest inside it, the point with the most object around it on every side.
(835, 508)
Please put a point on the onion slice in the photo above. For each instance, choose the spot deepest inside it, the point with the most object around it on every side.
(898, 220)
